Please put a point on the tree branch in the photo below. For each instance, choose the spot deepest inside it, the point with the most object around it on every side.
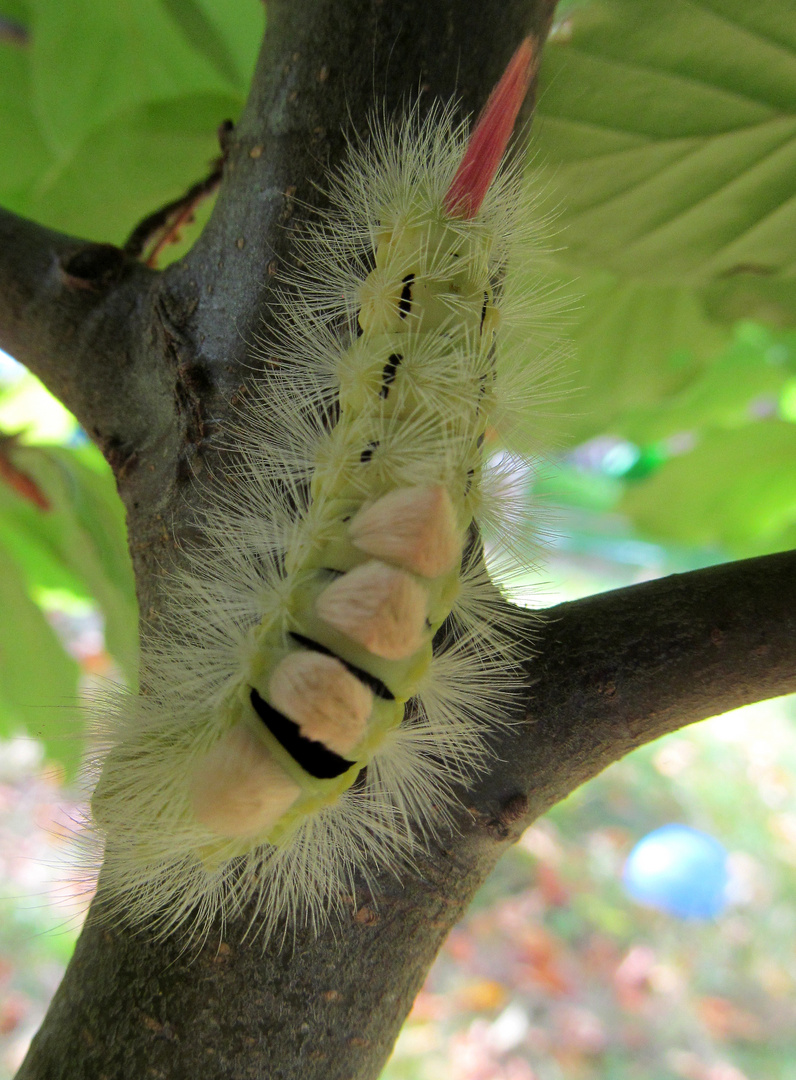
(613, 671)
(76, 314)
(616, 671)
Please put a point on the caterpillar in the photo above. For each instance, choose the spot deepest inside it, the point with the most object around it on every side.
(330, 665)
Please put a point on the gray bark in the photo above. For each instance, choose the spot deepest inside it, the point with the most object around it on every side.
(149, 363)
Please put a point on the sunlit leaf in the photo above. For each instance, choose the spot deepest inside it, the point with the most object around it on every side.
(38, 679)
(138, 160)
(744, 383)
(79, 545)
(735, 490)
(669, 135)
(109, 111)
(633, 344)
(204, 37)
(91, 62)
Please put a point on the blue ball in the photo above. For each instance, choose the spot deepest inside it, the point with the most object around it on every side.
(678, 870)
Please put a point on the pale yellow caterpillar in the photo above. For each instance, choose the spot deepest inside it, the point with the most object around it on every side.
(330, 665)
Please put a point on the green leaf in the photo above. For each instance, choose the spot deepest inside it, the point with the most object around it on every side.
(742, 384)
(752, 296)
(111, 110)
(23, 150)
(633, 345)
(135, 162)
(92, 61)
(735, 490)
(203, 37)
(241, 30)
(668, 133)
(80, 544)
(96, 545)
(38, 680)
(17, 11)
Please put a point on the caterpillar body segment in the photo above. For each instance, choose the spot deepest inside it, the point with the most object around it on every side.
(238, 788)
(303, 711)
(413, 527)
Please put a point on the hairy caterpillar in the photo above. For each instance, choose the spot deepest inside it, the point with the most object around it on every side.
(330, 665)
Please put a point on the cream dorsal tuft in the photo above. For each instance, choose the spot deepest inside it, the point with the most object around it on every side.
(238, 788)
(329, 704)
(381, 608)
(413, 527)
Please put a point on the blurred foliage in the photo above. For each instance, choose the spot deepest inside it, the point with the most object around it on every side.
(108, 111)
(63, 557)
(556, 972)
(42, 902)
(707, 461)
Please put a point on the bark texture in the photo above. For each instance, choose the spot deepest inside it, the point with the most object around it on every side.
(150, 363)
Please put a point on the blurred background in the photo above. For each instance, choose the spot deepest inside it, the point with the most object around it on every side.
(664, 149)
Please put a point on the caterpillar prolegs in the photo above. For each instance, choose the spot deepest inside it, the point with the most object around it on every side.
(330, 666)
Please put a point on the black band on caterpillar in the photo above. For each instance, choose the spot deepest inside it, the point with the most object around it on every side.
(373, 684)
(311, 755)
(405, 302)
(389, 372)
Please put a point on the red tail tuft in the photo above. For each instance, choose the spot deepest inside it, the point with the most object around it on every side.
(491, 135)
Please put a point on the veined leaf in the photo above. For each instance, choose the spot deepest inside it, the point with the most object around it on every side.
(669, 135)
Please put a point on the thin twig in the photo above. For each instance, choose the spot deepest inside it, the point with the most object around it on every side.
(17, 479)
(163, 226)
